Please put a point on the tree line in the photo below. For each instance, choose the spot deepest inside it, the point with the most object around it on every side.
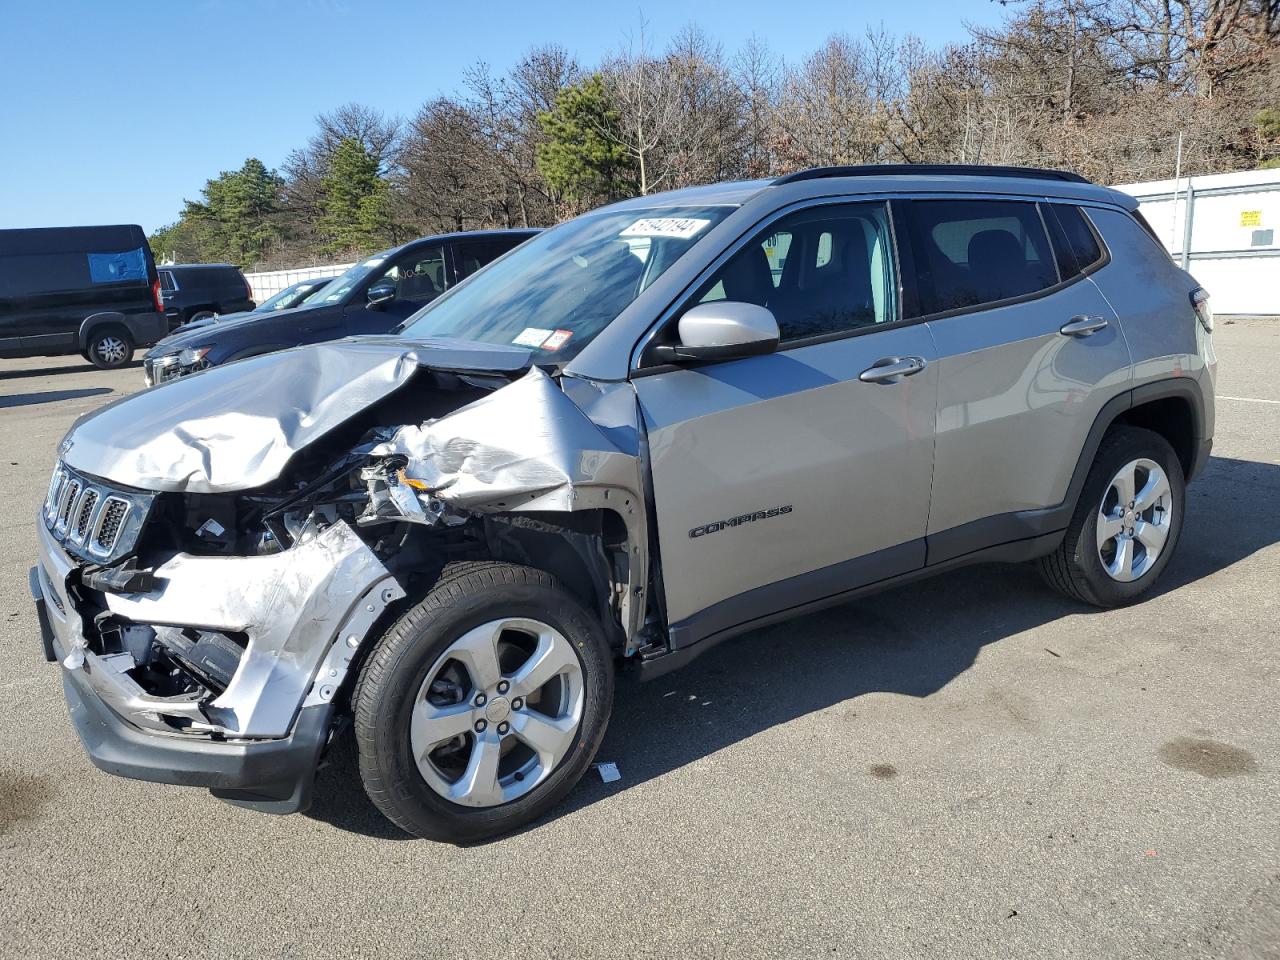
(1102, 87)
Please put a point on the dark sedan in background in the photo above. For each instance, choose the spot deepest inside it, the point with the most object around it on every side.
(373, 296)
(291, 296)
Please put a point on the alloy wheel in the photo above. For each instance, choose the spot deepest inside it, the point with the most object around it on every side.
(1134, 520)
(111, 350)
(497, 712)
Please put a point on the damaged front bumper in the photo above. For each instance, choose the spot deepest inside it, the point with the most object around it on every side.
(304, 614)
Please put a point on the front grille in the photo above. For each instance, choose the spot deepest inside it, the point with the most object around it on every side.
(93, 520)
(113, 516)
(67, 505)
(84, 513)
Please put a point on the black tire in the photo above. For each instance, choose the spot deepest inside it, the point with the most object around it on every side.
(468, 595)
(104, 347)
(1075, 569)
(200, 315)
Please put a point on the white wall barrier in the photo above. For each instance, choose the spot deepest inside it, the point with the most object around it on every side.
(271, 282)
(1225, 229)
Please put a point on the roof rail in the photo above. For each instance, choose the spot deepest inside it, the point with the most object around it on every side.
(930, 169)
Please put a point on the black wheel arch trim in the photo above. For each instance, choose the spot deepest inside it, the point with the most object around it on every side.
(142, 328)
(96, 321)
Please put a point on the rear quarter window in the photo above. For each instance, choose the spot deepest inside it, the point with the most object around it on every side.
(973, 252)
(1074, 241)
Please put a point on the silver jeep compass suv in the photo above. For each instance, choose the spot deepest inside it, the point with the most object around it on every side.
(646, 430)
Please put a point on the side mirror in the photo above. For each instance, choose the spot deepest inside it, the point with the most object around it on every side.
(384, 291)
(722, 330)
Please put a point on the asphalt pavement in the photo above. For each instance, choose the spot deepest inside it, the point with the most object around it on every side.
(967, 767)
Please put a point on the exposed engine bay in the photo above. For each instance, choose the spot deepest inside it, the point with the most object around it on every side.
(232, 608)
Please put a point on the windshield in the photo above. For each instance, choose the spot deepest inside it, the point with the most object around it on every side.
(556, 292)
(342, 284)
(290, 296)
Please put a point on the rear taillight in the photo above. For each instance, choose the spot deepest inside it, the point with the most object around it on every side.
(155, 296)
(1200, 300)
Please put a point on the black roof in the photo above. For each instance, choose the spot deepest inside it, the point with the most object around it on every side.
(931, 169)
(101, 239)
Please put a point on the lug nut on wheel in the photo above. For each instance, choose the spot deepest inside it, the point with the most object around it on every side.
(503, 686)
(480, 699)
(517, 703)
(503, 728)
(480, 725)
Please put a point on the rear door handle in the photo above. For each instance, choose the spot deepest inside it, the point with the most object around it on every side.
(1083, 326)
(892, 369)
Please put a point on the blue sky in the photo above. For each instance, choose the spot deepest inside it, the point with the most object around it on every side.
(114, 112)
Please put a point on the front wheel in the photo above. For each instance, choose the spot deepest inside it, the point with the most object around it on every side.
(109, 348)
(483, 705)
(1126, 524)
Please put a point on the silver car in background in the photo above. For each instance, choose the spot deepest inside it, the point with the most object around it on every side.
(642, 432)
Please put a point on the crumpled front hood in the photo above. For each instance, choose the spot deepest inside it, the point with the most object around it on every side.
(235, 427)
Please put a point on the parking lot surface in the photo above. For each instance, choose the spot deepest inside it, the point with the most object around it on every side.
(969, 766)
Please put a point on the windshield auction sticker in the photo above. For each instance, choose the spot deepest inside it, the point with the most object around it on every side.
(532, 337)
(680, 227)
(557, 340)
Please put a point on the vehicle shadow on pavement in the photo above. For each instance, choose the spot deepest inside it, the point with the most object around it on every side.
(51, 396)
(62, 368)
(912, 640)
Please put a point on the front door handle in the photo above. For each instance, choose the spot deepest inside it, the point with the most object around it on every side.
(892, 369)
(1083, 326)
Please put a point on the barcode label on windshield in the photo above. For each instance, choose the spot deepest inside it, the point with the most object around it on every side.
(681, 227)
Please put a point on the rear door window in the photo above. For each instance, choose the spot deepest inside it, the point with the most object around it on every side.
(167, 283)
(974, 252)
(471, 256)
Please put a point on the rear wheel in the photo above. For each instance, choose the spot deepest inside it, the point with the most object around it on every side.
(201, 315)
(1126, 524)
(483, 705)
(109, 348)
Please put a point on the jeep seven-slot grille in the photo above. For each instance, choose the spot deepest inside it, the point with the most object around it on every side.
(84, 513)
(70, 497)
(109, 526)
(92, 519)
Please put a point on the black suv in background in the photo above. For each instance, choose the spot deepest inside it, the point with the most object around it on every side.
(372, 296)
(197, 291)
(86, 290)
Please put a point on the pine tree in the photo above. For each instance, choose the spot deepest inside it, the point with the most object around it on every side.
(583, 157)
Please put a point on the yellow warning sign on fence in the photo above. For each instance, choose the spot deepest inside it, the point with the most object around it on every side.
(1250, 218)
